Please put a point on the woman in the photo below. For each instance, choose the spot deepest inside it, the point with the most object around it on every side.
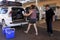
(33, 18)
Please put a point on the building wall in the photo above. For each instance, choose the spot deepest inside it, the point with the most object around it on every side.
(57, 2)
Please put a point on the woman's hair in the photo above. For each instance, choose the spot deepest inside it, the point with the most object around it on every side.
(47, 5)
(32, 6)
(57, 7)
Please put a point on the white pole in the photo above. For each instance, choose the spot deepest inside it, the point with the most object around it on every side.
(36, 2)
(38, 9)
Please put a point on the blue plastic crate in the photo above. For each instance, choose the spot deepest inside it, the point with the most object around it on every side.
(10, 33)
(3, 30)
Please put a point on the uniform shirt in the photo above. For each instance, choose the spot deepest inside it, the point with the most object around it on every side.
(49, 14)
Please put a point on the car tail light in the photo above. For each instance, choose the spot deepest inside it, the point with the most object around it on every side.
(10, 13)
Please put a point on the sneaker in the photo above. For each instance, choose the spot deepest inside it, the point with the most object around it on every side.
(25, 31)
(36, 33)
(50, 35)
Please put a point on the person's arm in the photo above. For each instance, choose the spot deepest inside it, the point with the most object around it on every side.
(53, 14)
(53, 18)
(28, 13)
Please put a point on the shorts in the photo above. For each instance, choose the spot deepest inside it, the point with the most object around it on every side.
(32, 21)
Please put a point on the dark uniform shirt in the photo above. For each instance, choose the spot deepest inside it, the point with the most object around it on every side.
(49, 14)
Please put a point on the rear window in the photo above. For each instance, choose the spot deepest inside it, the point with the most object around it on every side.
(3, 10)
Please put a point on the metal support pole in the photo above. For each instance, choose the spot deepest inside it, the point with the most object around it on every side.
(38, 9)
(36, 2)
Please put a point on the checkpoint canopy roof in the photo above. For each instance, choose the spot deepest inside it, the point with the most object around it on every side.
(10, 3)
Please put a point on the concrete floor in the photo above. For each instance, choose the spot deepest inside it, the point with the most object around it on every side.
(20, 35)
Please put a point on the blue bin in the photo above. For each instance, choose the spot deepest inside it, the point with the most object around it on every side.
(10, 33)
(3, 30)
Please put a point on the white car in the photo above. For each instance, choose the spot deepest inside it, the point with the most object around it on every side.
(11, 16)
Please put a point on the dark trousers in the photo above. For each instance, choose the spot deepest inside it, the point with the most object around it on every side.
(49, 26)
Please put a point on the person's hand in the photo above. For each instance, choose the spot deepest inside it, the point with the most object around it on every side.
(25, 14)
(28, 13)
(53, 18)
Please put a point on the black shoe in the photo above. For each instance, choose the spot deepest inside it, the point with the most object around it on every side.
(50, 35)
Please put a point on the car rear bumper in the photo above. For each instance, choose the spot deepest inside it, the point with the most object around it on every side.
(17, 24)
